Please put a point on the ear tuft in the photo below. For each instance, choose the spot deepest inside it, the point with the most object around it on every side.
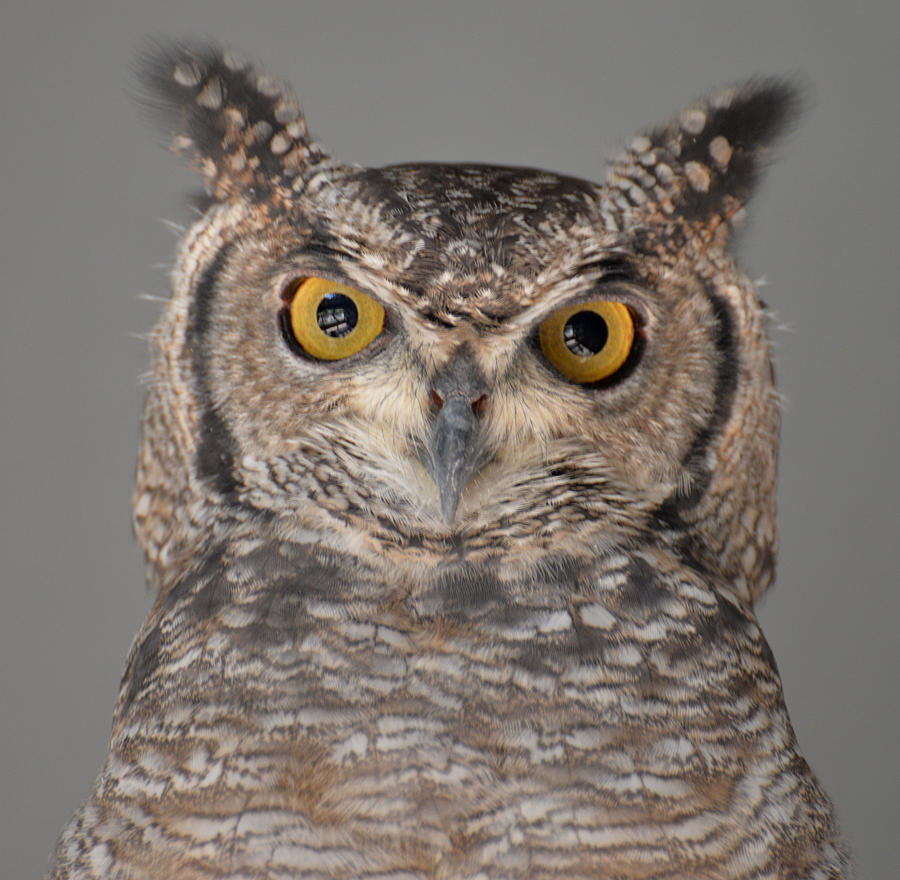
(241, 129)
(702, 167)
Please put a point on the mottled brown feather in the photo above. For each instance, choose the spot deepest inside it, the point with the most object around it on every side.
(568, 678)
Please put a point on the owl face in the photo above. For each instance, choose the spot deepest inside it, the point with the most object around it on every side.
(456, 327)
(426, 360)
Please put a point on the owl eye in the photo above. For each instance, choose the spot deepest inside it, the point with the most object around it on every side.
(331, 321)
(589, 341)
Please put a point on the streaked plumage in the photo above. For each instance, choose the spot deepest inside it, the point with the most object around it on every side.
(530, 654)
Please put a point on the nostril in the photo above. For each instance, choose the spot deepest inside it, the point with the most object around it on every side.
(436, 400)
(480, 405)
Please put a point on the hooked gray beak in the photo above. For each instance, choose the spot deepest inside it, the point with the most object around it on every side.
(454, 454)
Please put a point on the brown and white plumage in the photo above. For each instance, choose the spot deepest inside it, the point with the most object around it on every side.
(551, 669)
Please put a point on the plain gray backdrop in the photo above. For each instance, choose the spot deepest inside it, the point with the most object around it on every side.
(84, 185)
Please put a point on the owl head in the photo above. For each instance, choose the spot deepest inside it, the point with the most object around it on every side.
(422, 364)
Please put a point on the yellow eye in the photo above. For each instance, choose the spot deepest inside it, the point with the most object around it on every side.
(589, 341)
(331, 321)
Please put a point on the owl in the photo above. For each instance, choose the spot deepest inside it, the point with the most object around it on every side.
(456, 490)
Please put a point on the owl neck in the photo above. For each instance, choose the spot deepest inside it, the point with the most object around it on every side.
(494, 573)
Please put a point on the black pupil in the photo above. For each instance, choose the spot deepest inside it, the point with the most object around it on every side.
(585, 333)
(336, 315)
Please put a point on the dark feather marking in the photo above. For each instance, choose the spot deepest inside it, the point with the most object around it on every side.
(465, 593)
(731, 628)
(755, 118)
(215, 453)
(201, 593)
(176, 108)
(642, 593)
(143, 664)
(609, 269)
(320, 245)
(669, 513)
(217, 449)
(590, 642)
(383, 192)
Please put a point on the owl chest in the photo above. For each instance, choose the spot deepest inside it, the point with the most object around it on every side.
(436, 713)
(302, 726)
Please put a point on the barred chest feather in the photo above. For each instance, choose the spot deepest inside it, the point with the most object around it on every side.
(271, 711)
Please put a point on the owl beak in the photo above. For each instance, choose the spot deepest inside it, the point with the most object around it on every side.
(454, 453)
(454, 458)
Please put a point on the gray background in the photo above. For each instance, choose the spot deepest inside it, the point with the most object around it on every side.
(84, 183)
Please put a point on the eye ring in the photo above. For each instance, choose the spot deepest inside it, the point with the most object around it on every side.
(331, 321)
(588, 342)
